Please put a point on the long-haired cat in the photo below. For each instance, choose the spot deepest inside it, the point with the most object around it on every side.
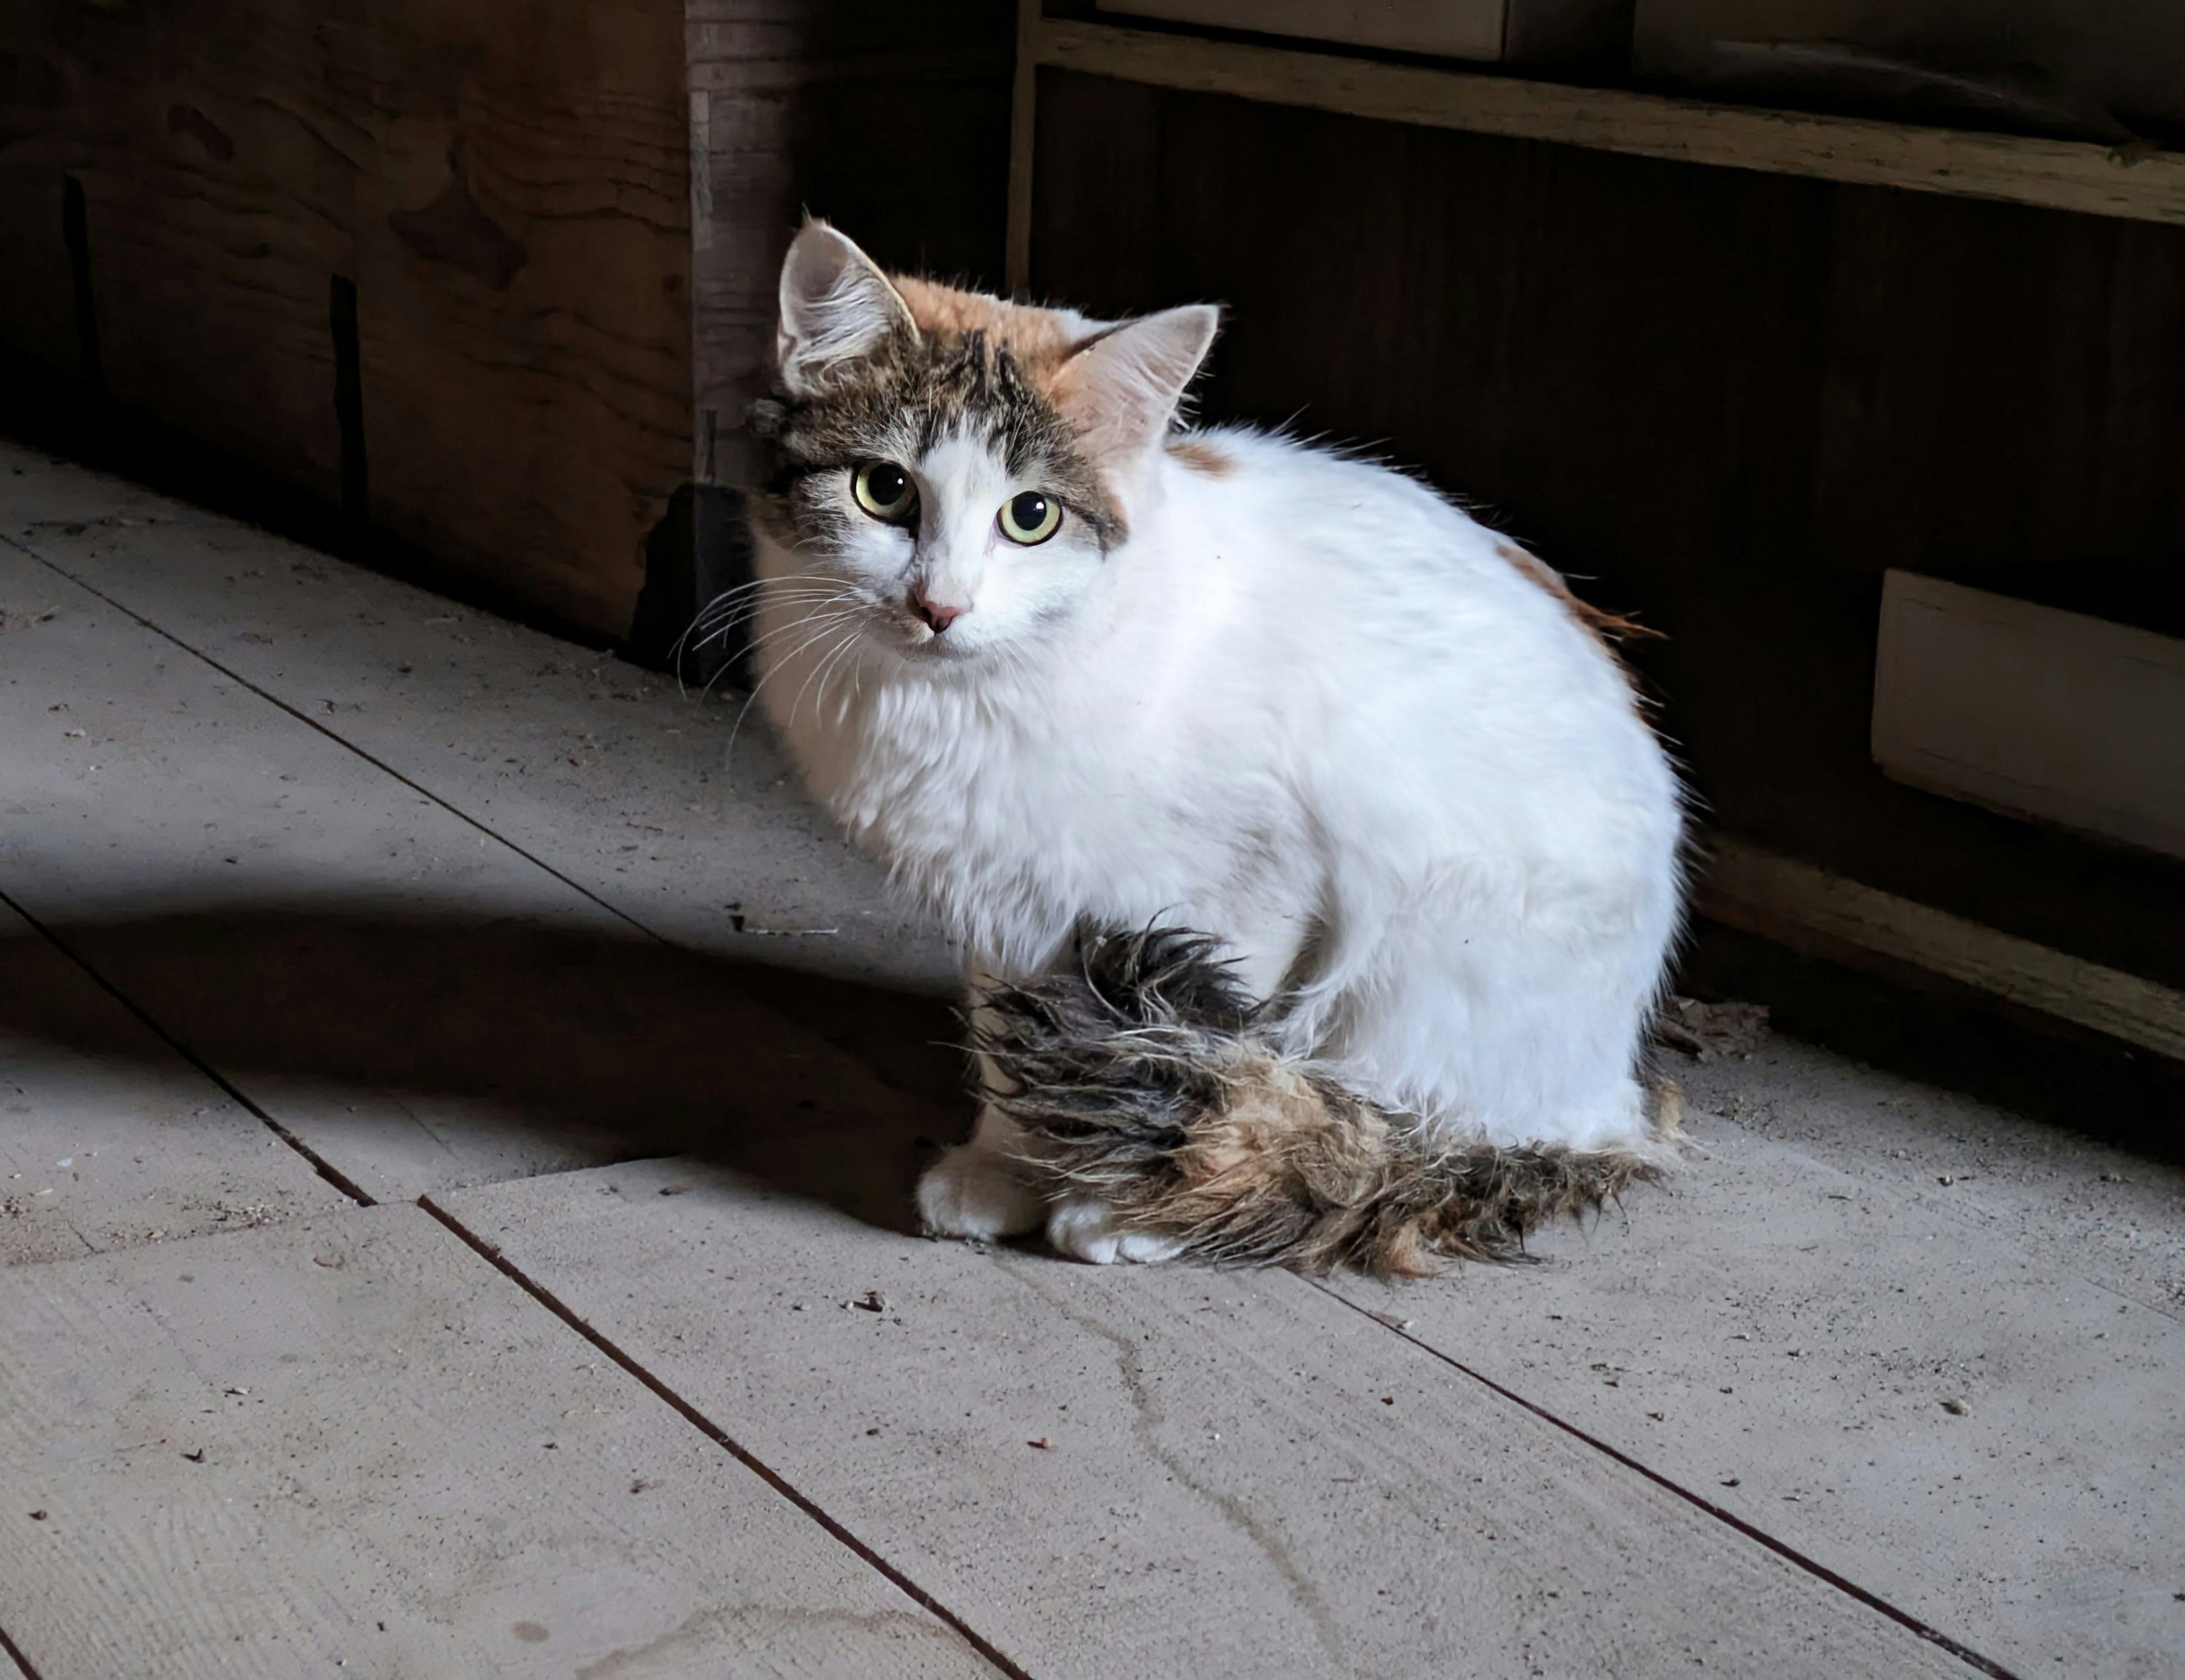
(1316, 869)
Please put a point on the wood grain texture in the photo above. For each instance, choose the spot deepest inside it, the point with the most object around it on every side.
(214, 176)
(1882, 1381)
(667, 807)
(505, 186)
(107, 1138)
(2055, 174)
(890, 119)
(413, 997)
(1118, 1472)
(1024, 132)
(353, 1446)
(523, 284)
(1764, 893)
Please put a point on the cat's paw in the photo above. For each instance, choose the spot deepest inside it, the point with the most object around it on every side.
(1086, 1229)
(976, 1193)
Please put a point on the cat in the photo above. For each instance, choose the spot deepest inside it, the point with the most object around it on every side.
(1316, 865)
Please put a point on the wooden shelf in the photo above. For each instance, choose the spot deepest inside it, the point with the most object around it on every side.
(2058, 175)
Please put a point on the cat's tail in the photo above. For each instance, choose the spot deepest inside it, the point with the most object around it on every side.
(1148, 1082)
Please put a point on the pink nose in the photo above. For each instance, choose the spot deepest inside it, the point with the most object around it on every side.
(934, 612)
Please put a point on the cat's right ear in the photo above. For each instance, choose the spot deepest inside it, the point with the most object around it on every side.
(1120, 391)
(837, 309)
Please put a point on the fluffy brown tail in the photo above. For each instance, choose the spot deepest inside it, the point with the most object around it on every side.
(1148, 1080)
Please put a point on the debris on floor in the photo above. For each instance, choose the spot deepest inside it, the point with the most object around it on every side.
(1707, 1031)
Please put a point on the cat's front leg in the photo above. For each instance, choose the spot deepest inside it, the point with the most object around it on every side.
(1086, 1228)
(982, 1190)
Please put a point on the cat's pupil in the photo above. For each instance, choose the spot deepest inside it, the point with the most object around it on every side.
(885, 484)
(1029, 510)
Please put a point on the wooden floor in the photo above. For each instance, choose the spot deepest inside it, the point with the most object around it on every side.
(457, 1119)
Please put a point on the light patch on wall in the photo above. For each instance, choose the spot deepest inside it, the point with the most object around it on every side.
(2032, 712)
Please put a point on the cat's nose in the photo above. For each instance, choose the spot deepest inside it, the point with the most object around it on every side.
(938, 614)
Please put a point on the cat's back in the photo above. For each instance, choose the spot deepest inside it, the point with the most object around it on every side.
(1383, 622)
(1345, 550)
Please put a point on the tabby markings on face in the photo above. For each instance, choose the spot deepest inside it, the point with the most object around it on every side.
(894, 410)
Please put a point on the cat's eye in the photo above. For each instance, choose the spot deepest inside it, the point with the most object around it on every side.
(1031, 517)
(883, 489)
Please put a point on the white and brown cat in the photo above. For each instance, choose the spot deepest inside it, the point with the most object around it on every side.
(1317, 869)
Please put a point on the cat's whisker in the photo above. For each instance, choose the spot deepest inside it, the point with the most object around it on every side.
(712, 619)
(723, 631)
(728, 755)
(747, 596)
(719, 616)
(827, 667)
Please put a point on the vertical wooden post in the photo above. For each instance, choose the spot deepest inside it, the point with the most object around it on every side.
(1017, 255)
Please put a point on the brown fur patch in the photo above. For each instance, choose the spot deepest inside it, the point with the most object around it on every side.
(1201, 456)
(1039, 339)
(1605, 628)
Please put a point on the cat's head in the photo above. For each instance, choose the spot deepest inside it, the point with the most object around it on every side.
(955, 468)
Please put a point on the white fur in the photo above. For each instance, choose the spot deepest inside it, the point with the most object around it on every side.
(1306, 707)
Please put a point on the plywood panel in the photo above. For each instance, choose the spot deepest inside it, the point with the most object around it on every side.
(523, 288)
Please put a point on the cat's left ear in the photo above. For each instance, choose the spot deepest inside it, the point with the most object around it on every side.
(837, 309)
(1120, 391)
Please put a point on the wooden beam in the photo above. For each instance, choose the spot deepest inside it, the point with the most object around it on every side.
(2059, 175)
(1023, 119)
(1781, 899)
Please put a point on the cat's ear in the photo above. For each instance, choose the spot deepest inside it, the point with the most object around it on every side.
(1120, 391)
(837, 309)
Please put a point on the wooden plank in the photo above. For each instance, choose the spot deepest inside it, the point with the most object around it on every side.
(1124, 1473)
(2026, 1184)
(2054, 174)
(110, 1139)
(523, 288)
(1024, 129)
(503, 185)
(418, 1001)
(672, 810)
(2032, 712)
(351, 1445)
(1900, 1392)
(1748, 887)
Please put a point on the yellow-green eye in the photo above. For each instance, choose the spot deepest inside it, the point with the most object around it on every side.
(883, 489)
(1031, 517)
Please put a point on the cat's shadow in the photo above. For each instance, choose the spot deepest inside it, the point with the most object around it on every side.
(547, 1042)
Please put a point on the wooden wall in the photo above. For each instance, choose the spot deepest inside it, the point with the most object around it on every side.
(502, 187)
(890, 120)
(1728, 399)
(498, 276)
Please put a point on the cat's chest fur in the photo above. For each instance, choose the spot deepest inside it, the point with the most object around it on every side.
(1016, 810)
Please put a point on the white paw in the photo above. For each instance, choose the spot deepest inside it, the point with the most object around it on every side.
(1086, 1229)
(976, 1193)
